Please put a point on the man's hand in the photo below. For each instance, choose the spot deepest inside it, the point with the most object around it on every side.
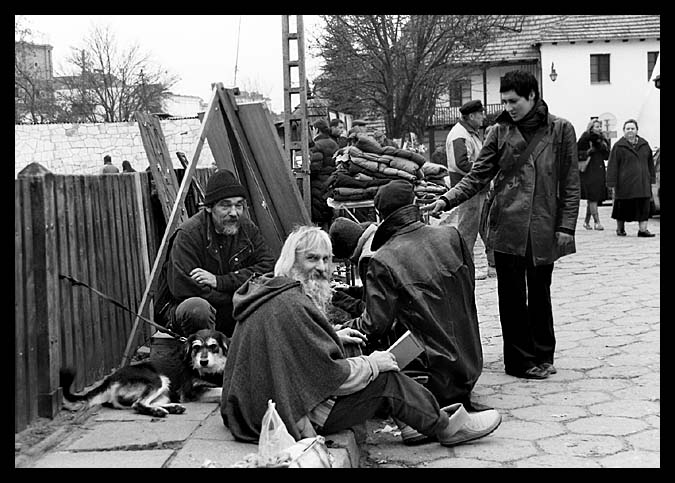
(352, 336)
(435, 209)
(385, 361)
(563, 240)
(203, 277)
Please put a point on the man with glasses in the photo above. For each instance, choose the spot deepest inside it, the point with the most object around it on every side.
(210, 256)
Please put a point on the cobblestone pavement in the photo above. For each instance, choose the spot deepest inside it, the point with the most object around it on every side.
(602, 408)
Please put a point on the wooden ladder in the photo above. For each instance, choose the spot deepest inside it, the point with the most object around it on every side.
(294, 123)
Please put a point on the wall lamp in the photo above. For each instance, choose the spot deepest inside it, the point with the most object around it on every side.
(553, 75)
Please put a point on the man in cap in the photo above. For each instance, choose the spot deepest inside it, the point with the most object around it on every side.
(322, 166)
(421, 278)
(462, 146)
(210, 256)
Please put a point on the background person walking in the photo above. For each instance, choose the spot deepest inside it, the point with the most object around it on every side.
(630, 174)
(594, 147)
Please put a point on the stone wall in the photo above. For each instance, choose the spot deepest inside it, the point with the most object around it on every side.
(79, 148)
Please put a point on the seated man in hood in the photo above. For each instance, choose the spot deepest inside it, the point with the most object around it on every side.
(284, 349)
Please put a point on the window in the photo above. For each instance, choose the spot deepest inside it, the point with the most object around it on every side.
(460, 92)
(651, 62)
(599, 68)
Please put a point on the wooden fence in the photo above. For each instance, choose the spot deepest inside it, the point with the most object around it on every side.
(98, 229)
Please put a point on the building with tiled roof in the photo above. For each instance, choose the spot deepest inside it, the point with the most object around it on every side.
(587, 66)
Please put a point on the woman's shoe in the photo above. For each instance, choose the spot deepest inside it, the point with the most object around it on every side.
(645, 233)
(621, 232)
(599, 227)
(535, 372)
(548, 367)
(588, 226)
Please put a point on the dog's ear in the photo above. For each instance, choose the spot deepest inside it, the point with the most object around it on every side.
(223, 340)
(187, 346)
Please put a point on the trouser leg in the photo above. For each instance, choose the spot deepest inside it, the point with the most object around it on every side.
(540, 311)
(194, 314)
(519, 351)
(393, 394)
(468, 219)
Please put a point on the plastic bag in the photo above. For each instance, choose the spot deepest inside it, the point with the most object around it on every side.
(274, 437)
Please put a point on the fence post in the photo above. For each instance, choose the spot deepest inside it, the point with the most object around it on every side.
(46, 287)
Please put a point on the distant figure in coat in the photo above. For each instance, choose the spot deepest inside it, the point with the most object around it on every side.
(630, 174)
(108, 167)
(127, 168)
(322, 165)
(594, 146)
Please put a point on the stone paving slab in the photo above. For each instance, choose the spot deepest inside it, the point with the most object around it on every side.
(105, 459)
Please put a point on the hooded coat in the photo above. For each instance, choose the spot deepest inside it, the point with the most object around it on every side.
(534, 197)
(284, 349)
(423, 277)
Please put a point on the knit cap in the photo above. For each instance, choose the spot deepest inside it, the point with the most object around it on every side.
(222, 184)
(344, 235)
(394, 195)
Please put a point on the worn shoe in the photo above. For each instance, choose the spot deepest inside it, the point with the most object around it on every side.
(588, 226)
(599, 227)
(621, 232)
(535, 372)
(645, 233)
(548, 367)
(466, 426)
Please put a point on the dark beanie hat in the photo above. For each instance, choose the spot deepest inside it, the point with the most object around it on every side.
(222, 184)
(392, 196)
(344, 235)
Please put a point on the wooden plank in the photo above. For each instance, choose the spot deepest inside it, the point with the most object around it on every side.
(65, 287)
(113, 289)
(173, 220)
(134, 248)
(31, 306)
(21, 395)
(48, 333)
(123, 298)
(273, 165)
(82, 273)
(269, 225)
(142, 243)
(103, 265)
(73, 270)
(90, 192)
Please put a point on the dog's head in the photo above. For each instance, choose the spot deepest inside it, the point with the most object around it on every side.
(206, 351)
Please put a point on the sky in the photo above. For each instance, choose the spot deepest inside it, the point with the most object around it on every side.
(199, 49)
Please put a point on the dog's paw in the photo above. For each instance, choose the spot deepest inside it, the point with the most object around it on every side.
(158, 412)
(175, 408)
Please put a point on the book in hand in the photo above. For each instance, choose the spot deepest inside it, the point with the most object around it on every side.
(406, 349)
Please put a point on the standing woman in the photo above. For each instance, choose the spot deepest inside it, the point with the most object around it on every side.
(595, 146)
(630, 174)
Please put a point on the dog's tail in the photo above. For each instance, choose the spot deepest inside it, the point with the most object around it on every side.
(66, 378)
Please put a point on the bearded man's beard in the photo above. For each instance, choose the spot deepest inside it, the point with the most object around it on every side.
(229, 226)
(317, 287)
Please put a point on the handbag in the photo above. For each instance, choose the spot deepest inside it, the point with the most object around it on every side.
(584, 164)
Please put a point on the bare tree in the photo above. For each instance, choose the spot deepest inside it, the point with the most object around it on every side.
(33, 92)
(106, 83)
(398, 65)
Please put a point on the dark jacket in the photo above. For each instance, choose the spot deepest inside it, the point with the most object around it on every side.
(283, 349)
(423, 277)
(233, 259)
(630, 170)
(534, 197)
(322, 165)
(593, 182)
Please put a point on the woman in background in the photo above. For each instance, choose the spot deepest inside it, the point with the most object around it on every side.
(630, 174)
(594, 146)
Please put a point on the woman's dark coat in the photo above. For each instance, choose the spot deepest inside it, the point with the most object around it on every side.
(322, 165)
(630, 170)
(593, 182)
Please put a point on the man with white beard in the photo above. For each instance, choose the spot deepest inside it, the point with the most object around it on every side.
(210, 256)
(285, 349)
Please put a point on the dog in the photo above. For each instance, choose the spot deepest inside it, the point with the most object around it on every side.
(139, 386)
(149, 388)
(204, 358)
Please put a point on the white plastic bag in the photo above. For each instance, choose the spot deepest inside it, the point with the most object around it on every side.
(274, 437)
